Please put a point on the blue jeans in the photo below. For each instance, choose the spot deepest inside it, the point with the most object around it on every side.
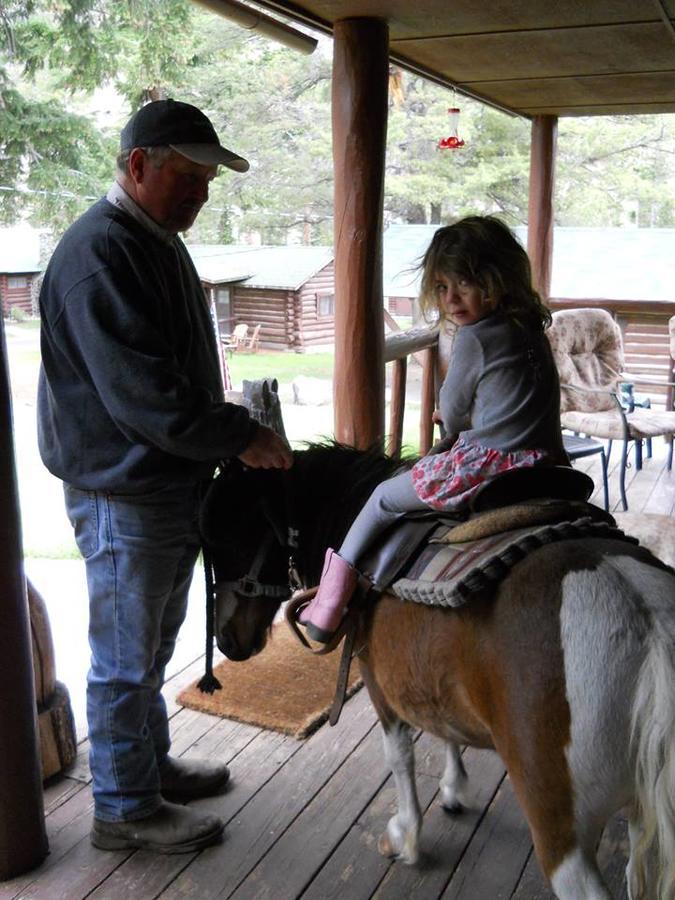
(140, 551)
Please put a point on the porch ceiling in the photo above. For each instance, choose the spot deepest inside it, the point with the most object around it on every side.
(532, 57)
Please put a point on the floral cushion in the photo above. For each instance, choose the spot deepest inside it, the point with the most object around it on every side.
(588, 353)
(645, 423)
(642, 423)
(606, 424)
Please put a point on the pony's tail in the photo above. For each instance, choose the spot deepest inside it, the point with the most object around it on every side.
(652, 863)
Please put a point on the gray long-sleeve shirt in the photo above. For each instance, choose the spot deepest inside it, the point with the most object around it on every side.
(501, 390)
(130, 395)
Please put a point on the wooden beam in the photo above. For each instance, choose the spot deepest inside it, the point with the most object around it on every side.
(23, 839)
(408, 343)
(540, 217)
(253, 20)
(360, 85)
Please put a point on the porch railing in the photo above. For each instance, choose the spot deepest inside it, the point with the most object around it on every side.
(422, 343)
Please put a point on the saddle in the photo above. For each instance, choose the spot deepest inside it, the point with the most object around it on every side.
(516, 499)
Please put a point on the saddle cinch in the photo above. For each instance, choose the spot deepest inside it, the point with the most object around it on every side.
(509, 516)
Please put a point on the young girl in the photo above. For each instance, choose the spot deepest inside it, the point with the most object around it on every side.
(499, 403)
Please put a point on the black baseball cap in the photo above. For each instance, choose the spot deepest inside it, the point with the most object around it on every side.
(184, 128)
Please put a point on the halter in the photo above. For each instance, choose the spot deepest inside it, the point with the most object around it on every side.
(249, 585)
(295, 582)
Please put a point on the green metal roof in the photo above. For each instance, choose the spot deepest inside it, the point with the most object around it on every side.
(284, 268)
(610, 263)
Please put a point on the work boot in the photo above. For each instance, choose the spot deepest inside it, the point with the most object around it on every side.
(323, 616)
(188, 779)
(170, 829)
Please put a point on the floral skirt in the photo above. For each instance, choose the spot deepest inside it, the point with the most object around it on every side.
(447, 481)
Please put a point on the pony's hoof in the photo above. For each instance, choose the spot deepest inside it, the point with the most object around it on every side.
(454, 809)
(386, 847)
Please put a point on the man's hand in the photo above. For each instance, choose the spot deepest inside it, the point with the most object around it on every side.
(267, 451)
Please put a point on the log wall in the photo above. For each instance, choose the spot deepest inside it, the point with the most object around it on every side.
(401, 306)
(312, 328)
(290, 320)
(16, 297)
(272, 309)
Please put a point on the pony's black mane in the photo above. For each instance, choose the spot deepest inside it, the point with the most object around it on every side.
(319, 496)
(330, 483)
(362, 470)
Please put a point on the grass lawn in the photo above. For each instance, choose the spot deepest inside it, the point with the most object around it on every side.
(25, 324)
(277, 364)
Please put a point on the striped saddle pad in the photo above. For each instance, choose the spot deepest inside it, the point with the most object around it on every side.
(447, 573)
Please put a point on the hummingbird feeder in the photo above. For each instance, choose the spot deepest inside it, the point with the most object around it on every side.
(453, 142)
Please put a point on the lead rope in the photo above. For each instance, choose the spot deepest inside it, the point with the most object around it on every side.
(208, 683)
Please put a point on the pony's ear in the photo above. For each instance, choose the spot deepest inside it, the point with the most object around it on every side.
(270, 392)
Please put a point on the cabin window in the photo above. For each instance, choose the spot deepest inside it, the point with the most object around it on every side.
(325, 304)
(224, 309)
(17, 281)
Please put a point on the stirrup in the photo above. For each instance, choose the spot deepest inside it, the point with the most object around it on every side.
(298, 602)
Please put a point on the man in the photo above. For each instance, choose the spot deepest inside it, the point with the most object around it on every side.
(131, 417)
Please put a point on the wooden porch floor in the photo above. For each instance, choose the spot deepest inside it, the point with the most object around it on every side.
(303, 817)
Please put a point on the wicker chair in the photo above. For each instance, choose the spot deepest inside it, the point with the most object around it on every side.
(588, 351)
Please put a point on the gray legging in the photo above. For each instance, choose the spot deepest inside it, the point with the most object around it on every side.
(388, 502)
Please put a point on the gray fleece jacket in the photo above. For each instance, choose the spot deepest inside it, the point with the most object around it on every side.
(502, 390)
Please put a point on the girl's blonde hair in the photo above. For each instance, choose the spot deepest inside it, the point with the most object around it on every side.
(485, 252)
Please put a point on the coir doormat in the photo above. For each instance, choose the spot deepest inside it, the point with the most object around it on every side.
(285, 688)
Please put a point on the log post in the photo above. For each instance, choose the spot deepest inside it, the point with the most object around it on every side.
(359, 110)
(397, 406)
(428, 400)
(540, 215)
(23, 839)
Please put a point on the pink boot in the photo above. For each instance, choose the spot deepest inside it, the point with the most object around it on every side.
(324, 614)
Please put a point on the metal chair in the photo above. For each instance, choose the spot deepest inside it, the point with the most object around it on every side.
(578, 447)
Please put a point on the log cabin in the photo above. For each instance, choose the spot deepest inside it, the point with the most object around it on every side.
(288, 290)
(19, 268)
